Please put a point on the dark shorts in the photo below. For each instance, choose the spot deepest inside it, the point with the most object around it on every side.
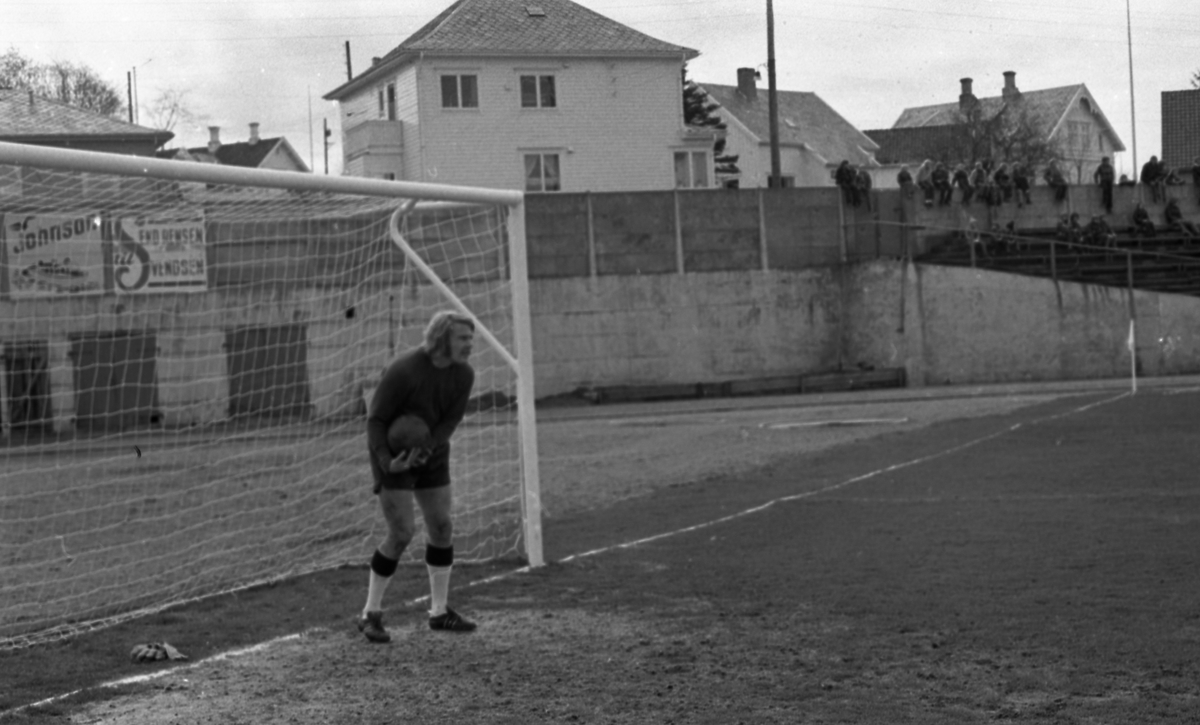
(435, 473)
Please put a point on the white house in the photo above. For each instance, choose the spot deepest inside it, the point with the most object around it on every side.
(813, 138)
(1069, 116)
(544, 95)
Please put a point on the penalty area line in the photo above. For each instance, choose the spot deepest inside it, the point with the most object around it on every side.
(836, 486)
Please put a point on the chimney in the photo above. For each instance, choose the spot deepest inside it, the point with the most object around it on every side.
(214, 139)
(1010, 85)
(967, 99)
(746, 83)
(254, 133)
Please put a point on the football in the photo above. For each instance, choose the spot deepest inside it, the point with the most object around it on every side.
(407, 432)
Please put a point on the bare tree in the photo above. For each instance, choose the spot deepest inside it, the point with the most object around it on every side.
(169, 109)
(1010, 135)
(75, 85)
(1196, 79)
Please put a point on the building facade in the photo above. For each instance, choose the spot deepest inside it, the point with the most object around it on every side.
(1180, 128)
(552, 98)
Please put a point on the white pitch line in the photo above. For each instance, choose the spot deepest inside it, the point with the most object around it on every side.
(594, 552)
(834, 423)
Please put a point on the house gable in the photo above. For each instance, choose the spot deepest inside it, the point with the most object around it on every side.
(490, 28)
(1051, 109)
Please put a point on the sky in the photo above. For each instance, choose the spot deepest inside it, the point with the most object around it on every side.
(271, 61)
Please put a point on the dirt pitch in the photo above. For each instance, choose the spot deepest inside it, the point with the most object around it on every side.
(988, 557)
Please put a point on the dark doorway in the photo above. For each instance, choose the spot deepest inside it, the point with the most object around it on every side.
(268, 371)
(27, 387)
(115, 380)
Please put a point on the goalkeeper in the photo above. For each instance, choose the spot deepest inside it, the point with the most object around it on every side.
(434, 382)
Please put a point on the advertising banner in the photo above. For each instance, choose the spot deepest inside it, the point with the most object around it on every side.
(159, 254)
(54, 255)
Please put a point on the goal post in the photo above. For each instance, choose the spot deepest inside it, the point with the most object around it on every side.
(521, 362)
(187, 353)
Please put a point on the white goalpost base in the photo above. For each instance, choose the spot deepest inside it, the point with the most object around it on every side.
(185, 351)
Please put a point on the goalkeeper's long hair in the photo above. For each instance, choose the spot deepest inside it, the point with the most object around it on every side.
(437, 332)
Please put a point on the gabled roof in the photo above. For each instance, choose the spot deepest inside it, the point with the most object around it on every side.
(249, 155)
(914, 145)
(519, 27)
(805, 121)
(25, 116)
(1046, 108)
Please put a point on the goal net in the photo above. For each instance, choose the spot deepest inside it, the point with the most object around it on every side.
(187, 353)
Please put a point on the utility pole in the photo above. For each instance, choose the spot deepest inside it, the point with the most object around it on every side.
(129, 92)
(1132, 113)
(349, 73)
(772, 99)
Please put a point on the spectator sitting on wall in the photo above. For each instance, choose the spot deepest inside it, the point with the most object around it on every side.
(978, 178)
(845, 177)
(925, 180)
(1098, 233)
(862, 185)
(1062, 231)
(1126, 181)
(905, 180)
(1074, 229)
(1153, 177)
(1104, 176)
(1176, 222)
(1021, 182)
(1142, 226)
(1002, 180)
(963, 181)
(1172, 178)
(941, 183)
(1055, 180)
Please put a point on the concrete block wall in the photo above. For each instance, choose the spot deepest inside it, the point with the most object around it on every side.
(746, 284)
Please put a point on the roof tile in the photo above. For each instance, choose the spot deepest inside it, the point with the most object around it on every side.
(25, 115)
(804, 118)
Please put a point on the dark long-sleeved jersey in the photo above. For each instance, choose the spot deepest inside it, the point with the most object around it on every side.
(412, 384)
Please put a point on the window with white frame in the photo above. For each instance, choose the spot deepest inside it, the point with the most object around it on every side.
(542, 172)
(460, 91)
(537, 91)
(691, 170)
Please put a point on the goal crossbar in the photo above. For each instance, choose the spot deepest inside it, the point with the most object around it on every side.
(94, 161)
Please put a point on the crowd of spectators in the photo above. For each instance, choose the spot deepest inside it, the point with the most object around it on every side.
(995, 184)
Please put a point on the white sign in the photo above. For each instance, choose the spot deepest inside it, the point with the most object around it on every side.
(54, 255)
(159, 255)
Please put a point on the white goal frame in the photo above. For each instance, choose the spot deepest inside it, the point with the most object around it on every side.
(408, 194)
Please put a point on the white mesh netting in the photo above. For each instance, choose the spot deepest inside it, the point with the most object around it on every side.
(184, 368)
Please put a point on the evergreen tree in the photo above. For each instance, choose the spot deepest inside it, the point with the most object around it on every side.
(698, 111)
